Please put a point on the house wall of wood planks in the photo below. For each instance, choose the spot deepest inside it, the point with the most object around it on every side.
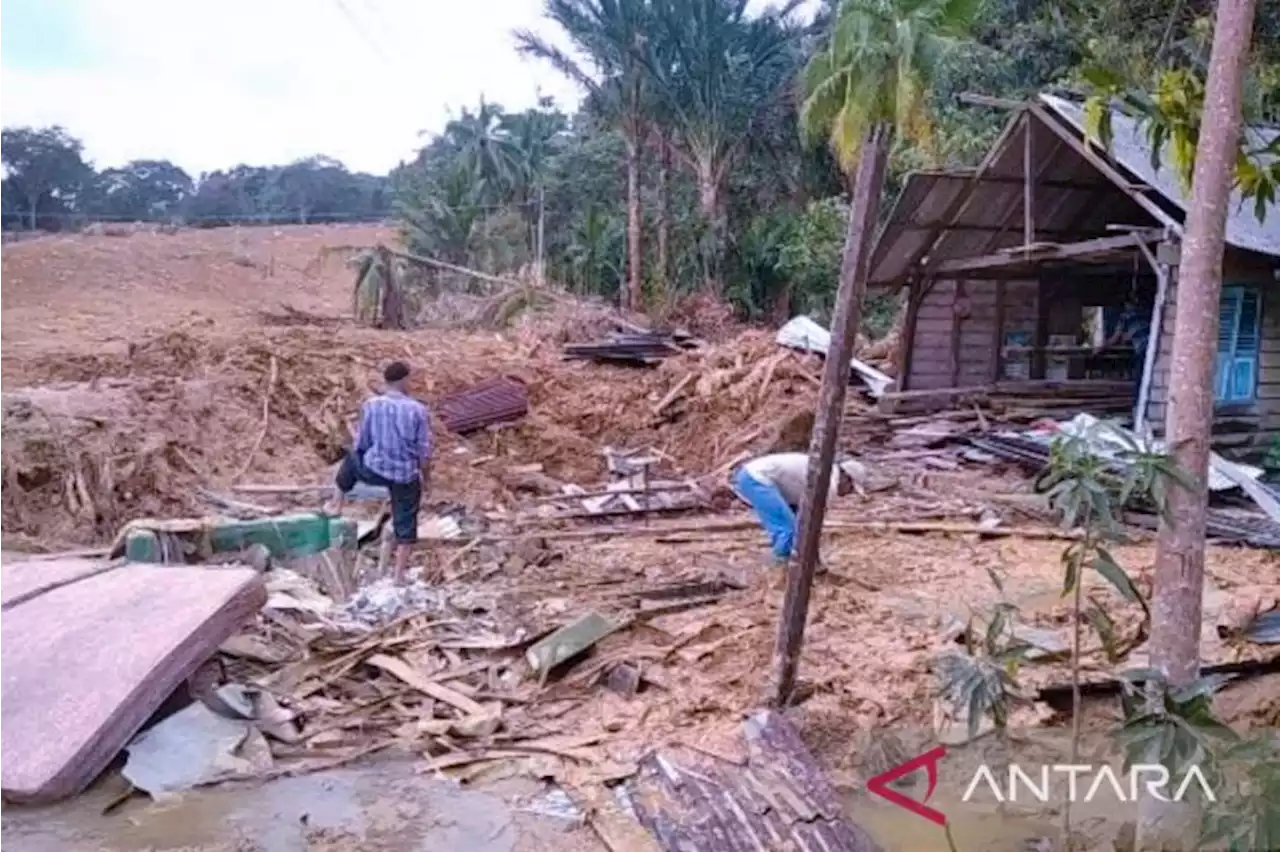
(960, 327)
(1247, 427)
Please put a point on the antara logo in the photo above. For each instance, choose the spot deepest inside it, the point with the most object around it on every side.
(1083, 783)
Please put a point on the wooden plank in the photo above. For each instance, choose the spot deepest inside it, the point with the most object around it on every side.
(957, 294)
(86, 664)
(401, 670)
(1028, 186)
(1065, 251)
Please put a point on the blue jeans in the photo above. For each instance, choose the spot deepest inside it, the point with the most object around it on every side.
(775, 514)
(405, 496)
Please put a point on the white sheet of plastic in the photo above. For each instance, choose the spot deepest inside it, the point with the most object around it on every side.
(806, 335)
(1105, 442)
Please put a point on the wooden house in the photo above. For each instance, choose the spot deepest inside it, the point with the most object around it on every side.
(1006, 266)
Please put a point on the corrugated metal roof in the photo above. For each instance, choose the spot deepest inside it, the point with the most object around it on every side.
(499, 400)
(1129, 148)
(779, 799)
(1071, 201)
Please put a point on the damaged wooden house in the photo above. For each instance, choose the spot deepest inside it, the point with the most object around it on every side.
(1020, 272)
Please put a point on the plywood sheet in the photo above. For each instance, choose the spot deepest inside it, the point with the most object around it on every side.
(86, 664)
(26, 579)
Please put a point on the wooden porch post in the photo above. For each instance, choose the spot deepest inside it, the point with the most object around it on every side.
(997, 343)
(1149, 358)
(1045, 285)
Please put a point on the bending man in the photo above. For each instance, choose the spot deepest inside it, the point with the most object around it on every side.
(774, 485)
(393, 451)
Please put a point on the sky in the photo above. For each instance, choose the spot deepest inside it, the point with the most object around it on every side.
(209, 85)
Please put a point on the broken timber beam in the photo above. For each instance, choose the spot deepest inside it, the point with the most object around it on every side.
(1066, 251)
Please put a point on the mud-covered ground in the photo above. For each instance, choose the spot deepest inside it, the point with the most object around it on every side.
(384, 805)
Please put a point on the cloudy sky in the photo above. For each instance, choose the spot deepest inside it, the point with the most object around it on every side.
(210, 84)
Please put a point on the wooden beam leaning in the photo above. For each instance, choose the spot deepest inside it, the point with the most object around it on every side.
(958, 204)
(1100, 163)
(1067, 251)
(1007, 218)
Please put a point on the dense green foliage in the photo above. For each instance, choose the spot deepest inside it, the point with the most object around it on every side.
(49, 185)
(749, 206)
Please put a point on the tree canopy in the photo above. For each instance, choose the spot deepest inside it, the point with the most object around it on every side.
(49, 185)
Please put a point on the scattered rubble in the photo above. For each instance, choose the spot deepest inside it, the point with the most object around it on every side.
(562, 596)
(383, 601)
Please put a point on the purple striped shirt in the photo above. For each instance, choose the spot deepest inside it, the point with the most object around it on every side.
(395, 436)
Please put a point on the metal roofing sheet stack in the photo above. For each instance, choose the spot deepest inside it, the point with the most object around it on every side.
(490, 402)
(631, 348)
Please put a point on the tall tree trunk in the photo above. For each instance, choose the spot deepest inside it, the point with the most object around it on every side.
(664, 222)
(713, 238)
(1179, 569)
(635, 283)
(393, 308)
(780, 310)
(869, 183)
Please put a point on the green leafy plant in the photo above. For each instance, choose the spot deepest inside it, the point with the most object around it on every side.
(983, 681)
(1175, 728)
(1169, 113)
(1246, 816)
(1272, 460)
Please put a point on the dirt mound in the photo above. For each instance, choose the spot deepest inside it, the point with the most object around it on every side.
(83, 293)
(109, 437)
(137, 369)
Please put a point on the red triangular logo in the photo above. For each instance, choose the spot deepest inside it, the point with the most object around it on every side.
(880, 784)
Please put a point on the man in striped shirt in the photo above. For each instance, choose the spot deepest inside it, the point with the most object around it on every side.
(392, 451)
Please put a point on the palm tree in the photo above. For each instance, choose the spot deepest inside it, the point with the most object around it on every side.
(715, 71)
(611, 34)
(484, 144)
(868, 84)
(534, 136)
(442, 213)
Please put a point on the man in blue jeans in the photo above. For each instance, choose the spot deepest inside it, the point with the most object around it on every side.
(774, 485)
(392, 451)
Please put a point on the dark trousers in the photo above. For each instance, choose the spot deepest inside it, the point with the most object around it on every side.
(405, 496)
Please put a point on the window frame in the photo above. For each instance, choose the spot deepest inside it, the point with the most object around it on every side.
(1238, 292)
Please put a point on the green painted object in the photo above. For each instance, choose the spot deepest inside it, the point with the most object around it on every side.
(285, 536)
(142, 546)
(343, 533)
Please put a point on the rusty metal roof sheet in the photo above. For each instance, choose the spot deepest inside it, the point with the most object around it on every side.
(1129, 148)
(500, 400)
(778, 800)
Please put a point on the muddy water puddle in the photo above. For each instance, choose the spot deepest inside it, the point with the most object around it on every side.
(899, 830)
(381, 806)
